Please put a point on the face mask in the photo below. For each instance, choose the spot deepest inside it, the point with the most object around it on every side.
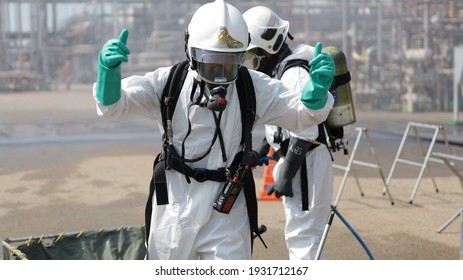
(253, 58)
(267, 65)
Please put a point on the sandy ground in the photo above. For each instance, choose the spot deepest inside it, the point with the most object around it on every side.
(63, 169)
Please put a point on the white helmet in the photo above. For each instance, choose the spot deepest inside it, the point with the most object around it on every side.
(267, 30)
(217, 39)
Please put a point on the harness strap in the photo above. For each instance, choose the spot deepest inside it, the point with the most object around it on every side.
(251, 204)
(149, 202)
(171, 90)
(247, 97)
(340, 80)
(199, 174)
(295, 62)
(304, 186)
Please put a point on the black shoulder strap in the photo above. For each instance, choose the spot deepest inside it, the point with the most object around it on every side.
(247, 98)
(172, 90)
(296, 62)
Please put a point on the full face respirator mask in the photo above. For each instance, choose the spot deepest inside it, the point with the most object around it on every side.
(257, 60)
(218, 70)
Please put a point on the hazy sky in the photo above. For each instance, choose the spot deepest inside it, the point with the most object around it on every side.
(65, 11)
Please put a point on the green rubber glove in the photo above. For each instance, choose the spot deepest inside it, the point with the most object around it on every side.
(108, 83)
(322, 69)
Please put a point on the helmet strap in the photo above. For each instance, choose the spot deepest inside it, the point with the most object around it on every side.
(186, 37)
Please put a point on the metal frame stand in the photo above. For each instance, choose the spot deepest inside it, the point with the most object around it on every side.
(454, 217)
(449, 161)
(459, 213)
(361, 131)
(427, 154)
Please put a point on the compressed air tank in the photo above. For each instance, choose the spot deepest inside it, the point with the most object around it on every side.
(343, 112)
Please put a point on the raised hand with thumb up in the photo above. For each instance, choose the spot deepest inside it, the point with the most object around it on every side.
(113, 53)
(322, 69)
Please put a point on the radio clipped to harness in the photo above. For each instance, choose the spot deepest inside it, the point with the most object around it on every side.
(228, 195)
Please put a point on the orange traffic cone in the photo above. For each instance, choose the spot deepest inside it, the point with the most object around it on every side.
(268, 180)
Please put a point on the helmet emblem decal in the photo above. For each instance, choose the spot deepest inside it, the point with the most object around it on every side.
(225, 38)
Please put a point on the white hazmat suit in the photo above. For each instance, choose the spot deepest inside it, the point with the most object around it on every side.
(188, 227)
(206, 137)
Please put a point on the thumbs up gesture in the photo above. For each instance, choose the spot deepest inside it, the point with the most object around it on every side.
(108, 83)
(322, 69)
(115, 51)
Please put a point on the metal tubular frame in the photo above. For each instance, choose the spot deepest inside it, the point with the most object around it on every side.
(449, 160)
(427, 154)
(361, 131)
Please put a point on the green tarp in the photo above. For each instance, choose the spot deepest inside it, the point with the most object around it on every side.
(124, 243)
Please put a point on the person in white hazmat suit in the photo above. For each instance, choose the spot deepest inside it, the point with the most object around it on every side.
(188, 227)
(269, 52)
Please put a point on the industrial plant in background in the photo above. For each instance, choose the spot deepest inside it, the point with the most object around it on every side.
(401, 53)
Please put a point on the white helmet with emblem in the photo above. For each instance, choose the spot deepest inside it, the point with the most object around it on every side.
(216, 41)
